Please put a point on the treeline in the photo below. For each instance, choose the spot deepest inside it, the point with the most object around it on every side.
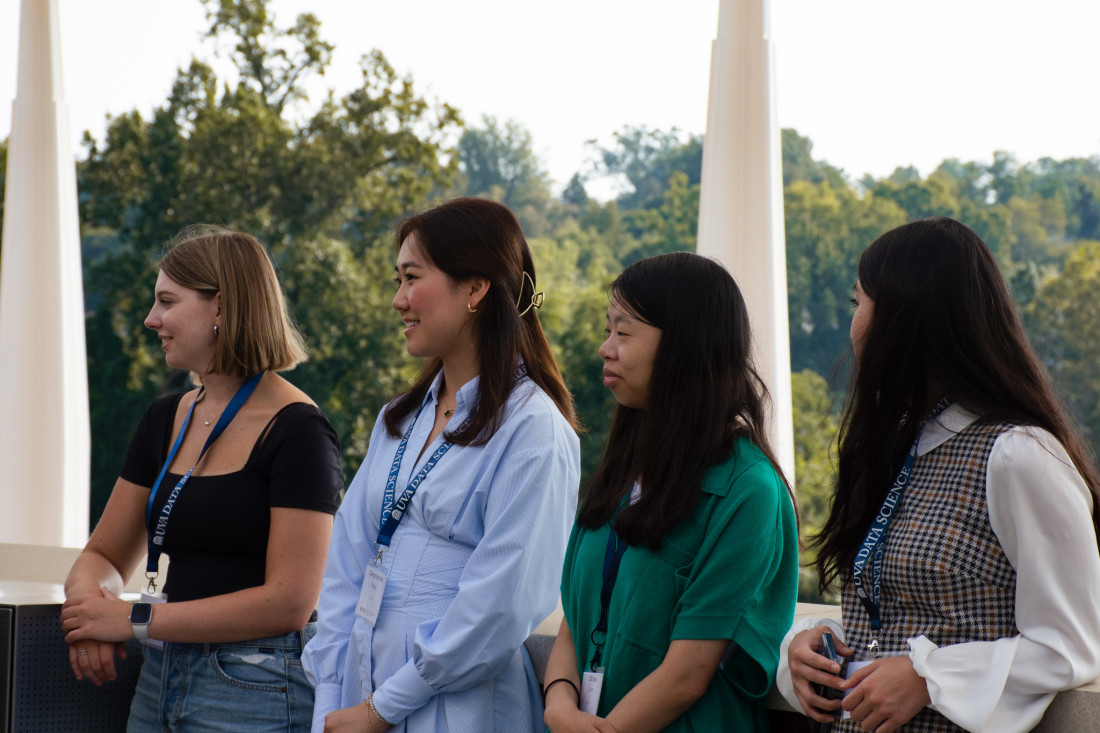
(322, 183)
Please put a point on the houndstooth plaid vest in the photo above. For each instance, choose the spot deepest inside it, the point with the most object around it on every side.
(945, 575)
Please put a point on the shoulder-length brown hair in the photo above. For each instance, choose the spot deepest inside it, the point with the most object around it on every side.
(471, 237)
(256, 333)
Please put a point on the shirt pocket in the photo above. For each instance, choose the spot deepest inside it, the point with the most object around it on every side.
(645, 620)
(452, 509)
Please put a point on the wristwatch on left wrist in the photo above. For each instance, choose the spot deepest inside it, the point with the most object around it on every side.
(140, 616)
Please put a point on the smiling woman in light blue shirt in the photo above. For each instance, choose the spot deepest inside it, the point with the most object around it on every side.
(428, 636)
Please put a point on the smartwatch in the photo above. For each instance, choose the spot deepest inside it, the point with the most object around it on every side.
(140, 616)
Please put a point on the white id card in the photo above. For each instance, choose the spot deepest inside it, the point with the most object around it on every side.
(591, 686)
(852, 667)
(154, 599)
(370, 597)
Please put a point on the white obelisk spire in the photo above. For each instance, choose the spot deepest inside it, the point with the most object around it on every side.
(44, 426)
(741, 196)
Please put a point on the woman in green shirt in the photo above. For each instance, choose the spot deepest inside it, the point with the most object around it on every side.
(681, 572)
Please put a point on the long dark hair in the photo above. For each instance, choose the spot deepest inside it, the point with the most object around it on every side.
(470, 237)
(943, 324)
(703, 394)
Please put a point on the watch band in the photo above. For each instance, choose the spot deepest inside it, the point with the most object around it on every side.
(141, 615)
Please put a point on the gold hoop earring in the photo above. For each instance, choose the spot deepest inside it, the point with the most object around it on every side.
(471, 308)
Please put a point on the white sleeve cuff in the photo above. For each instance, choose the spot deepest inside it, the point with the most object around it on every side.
(783, 681)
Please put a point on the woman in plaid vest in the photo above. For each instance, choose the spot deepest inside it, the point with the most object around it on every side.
(963, 532)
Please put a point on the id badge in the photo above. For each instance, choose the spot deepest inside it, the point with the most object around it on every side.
(852, 667)
(153, 598)
(370, 597)
(591, 686)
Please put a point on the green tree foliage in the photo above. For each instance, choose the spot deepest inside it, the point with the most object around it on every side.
(815, 431)
(799, 163)
(1063, 322)
(323, 193)
(827, 229)
(647, 160)
(497, 162)
(575, 268)
(322, 183)
(1075, 183)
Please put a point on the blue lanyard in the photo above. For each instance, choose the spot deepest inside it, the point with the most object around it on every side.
(612, 558)
(874, 544)
(156, 534)
(393, 511)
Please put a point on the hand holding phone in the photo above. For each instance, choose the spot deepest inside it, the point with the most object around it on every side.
(828, 650)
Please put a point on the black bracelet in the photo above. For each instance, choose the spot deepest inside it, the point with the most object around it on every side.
(566, 681)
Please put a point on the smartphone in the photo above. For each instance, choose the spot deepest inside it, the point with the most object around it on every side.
(828, 650)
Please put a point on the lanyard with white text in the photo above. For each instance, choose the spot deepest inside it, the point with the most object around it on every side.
(393, 511)
(874, 544)
(156, 534)
(612, 558)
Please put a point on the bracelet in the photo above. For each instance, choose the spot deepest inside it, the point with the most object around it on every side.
(370, 704)
(566, 681)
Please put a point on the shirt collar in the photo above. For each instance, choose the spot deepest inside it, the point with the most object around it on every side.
(944, 427)
(465, 394)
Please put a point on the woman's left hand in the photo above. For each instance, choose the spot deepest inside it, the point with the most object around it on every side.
(885, 694)
(104, 617)
(357, 719)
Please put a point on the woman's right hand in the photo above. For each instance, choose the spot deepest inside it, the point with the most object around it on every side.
(568, 719)
(809, 668)
(98, 664)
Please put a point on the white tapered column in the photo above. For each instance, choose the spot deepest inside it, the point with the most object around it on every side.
(44, 425)
(741, 196)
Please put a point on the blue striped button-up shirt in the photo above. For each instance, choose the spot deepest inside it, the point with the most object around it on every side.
(473, 567)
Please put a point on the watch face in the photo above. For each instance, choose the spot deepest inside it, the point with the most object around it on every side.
(140, 613)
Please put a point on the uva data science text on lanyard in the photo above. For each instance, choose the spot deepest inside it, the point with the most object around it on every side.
(393, 510)
(867, 567)
(157, 532)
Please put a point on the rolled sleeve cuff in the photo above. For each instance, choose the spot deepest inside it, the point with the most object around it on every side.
(326, 699)
(403, 694)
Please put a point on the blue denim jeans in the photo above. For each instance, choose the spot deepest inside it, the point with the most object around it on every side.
(256, 685)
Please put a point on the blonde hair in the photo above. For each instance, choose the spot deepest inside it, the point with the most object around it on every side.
(257, 332)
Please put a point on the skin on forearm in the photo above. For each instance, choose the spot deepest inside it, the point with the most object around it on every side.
(563, 657)
(90, 572)
(561, 700)
(562, 664)
(297, 548)
(246, 614)
(117, 545)
(667, 692)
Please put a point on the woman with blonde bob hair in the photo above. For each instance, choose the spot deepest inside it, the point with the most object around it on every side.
(237, 482)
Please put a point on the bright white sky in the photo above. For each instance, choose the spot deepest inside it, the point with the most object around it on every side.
(874, 83)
